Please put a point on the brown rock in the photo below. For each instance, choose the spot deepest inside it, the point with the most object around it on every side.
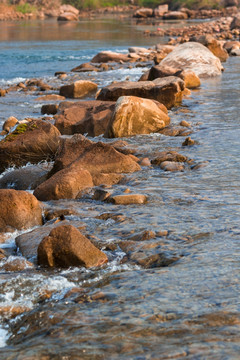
(129, 199)
(106, 179)
(94, 157)
(51, 97)
(65, 184)
(164, 156)
(160, 71)
(133, 116)
(9, 123)
(19, 210)
(29, 142)
(167, 91)
(49, 109)
(143, 13)
(67, 16)
(190, 79)
(235, 24)
(188, 142)
(185, 123)
(175, 15)
(195, 57)
(25, 178)
(100, 195)
(171, 166)
(66, 8)
(85, 117)
(16, 264)
(65, 246)
(213, 45)
(78, 89)
(230, 45)
(2, 92)
(109, 56)
(86, 67)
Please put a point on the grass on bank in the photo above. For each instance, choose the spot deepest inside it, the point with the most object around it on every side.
(25, 8)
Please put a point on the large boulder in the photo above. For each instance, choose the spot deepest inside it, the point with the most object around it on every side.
(195, 57)
(19, 210)
(84, 117)
(167, 91)
(133, 116)
(94, 157)
(109, 56)
(65, 246)
(29, 142)
(65, 184)
(213, 45)
(78, 89)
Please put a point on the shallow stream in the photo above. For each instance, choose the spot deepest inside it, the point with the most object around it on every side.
(187, 310)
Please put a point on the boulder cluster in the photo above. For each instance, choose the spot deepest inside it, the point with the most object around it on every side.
(54, 158)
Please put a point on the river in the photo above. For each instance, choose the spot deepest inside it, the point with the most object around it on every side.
(187, 310)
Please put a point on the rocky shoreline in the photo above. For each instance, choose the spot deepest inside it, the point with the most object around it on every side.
(70, 13)
(74, 167)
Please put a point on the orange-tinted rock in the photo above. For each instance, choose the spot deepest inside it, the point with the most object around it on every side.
(50, 97)
(167, 91)
(19, 210)
(84, 117)
(109, 56)
(94, 157)
(171, 166)
(175, 15)
(143, 13)
(65, 184)
(129, 199)
(166, 156)
(10, 123)
(134, 116)
(78, 89)
(213, 45)
(65, 246)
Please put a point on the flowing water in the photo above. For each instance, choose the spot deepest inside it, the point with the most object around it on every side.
(187, 310)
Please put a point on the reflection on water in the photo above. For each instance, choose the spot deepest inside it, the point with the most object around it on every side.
(188, 310)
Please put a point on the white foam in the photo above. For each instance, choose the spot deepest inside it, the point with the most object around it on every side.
(3, 337)
(12, 81)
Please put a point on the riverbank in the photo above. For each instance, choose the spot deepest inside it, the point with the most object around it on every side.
(176, 232)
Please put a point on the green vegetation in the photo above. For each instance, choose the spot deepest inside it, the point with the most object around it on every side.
(173, 4)
(25, 8)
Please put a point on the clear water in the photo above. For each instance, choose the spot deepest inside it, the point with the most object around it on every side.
(188, 310)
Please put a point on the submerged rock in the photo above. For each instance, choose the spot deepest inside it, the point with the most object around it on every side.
(195, 57)
(65, 246)
(133, 116)
(94, 157)
(19, 210)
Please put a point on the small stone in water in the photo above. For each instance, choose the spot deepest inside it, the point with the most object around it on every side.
(129, 199)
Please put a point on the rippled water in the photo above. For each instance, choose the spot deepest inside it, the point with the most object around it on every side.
(189, 309)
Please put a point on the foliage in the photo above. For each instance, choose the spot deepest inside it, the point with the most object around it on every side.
(25, 8)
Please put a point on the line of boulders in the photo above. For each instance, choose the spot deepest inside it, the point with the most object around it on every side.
(80, 165)
(162, 12)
